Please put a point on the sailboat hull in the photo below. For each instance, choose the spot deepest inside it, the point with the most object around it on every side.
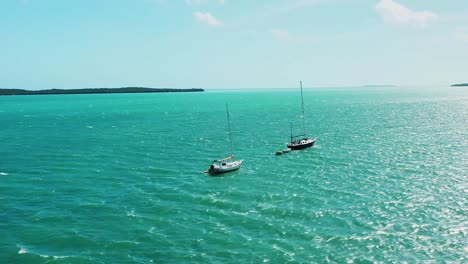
(302, 144)
(225, 167)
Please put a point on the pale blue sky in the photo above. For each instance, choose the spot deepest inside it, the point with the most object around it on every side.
(232, 43)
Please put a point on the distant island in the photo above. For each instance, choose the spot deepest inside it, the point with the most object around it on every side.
(97, 91)
(459, 84)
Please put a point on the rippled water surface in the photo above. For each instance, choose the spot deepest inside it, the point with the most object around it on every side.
(118, 178)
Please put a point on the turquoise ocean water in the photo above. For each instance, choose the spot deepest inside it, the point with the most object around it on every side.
(118, 178)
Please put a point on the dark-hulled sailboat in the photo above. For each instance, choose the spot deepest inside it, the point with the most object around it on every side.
(301, 141)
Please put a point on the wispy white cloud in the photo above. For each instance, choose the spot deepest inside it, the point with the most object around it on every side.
(207, 18)
(463, 37)
(280, 34)
(395, 13)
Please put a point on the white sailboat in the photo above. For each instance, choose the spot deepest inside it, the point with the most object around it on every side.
(227, 164)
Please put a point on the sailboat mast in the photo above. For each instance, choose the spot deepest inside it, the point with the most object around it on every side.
(229, 125)
(291, 134)
(303, 115)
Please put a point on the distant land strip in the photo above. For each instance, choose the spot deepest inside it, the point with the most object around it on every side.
(459, 84)
(97, 91)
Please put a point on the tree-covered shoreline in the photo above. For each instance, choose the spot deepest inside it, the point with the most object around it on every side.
(96, 91)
